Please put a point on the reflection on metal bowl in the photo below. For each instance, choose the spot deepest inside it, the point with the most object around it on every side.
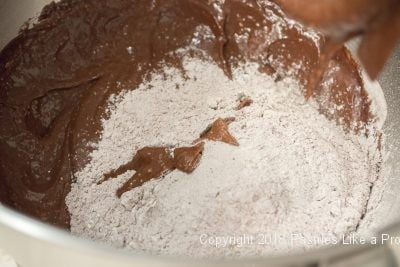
(35, 244)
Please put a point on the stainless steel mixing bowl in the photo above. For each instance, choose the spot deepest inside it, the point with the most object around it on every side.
(34, 244)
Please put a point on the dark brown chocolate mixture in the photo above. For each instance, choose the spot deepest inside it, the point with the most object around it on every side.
(218, 131)
(56, 78)
(245, 102)
(377, 21)
(153, 162)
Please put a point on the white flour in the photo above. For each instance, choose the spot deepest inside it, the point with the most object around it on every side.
(296, 177)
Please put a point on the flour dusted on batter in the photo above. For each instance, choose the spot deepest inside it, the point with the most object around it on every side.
(294, 174)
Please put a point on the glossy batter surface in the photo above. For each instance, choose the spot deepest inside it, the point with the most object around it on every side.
(56, 78)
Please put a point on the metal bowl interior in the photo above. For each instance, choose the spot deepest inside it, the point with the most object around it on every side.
(35, 244)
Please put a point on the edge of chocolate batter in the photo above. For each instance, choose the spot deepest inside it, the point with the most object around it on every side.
(57, 76)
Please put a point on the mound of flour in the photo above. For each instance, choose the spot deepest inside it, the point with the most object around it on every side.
(296, 181)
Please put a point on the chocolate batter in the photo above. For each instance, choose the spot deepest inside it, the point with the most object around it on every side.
(56, 78)
(245, 102)
(377, 21)
(218, 131)
(153, 162)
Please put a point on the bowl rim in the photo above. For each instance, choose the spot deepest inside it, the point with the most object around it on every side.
(40, 231)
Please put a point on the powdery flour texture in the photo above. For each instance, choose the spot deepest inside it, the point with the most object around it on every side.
(294, 174)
